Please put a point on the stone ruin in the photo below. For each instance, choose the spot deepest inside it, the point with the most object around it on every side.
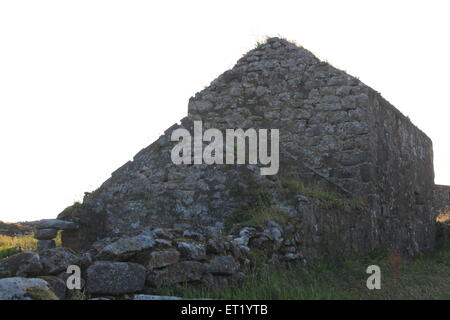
(441, 202)
(355, 176)
(335, 133)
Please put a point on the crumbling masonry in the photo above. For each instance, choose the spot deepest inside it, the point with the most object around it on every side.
(336, 134)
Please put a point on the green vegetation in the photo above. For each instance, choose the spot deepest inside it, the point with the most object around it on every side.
(254, 198)
(425, 277)
(166, 176)
(12, 245)
(37, 293)
(253, 212)
(71, 211)
(258, 203)
(330, 199)
(294, 186)
(6, 252)
(261, 215)
(77, 295)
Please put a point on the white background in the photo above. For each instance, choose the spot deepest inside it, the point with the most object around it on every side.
(85, 85)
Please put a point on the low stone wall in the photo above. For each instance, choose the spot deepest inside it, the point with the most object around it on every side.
(47, 230)
(151, 259)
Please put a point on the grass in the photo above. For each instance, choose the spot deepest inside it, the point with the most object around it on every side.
(262, 215)
(166, 176)
(37, 293)
(426, 277)
(423, 277)
(293, 186)
(259, 206)
(254, 197)
(12, 245)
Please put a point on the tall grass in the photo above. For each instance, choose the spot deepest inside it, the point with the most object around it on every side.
(12, 245)
(426, 277)
(293, 186)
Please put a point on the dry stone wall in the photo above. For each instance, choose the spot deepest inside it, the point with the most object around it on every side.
(321, 111)
(144, 262)
(335, 133)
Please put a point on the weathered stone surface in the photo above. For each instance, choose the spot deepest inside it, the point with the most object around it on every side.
(17, 288)
(45, 244)
(161, 258)
(64, 277)
(163, 234)
(56, 285)
(192, 251)
(85, 260)
(193, 235)
(238, 250)
(56, 224)
(336, 134)
(241, 241)
(185, 271)
(115, 278)
(261, 240)
(215, 247)
(163, 244)
(216, 282)
(91, 228)
(46, 234)
(222, 265)
(24, 264)
(441, 199)
(56, 260)
(97, 246)
(293, 257)
(126, 247)
(214, 232)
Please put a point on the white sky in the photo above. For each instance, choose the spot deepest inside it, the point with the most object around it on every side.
(85, 85)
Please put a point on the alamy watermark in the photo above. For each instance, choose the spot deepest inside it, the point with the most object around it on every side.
(74, 280)
(374, 280)
(186, 152)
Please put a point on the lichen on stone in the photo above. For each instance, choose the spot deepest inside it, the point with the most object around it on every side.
(37, 293)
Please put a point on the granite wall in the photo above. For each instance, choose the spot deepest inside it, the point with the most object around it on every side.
(336, 134)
